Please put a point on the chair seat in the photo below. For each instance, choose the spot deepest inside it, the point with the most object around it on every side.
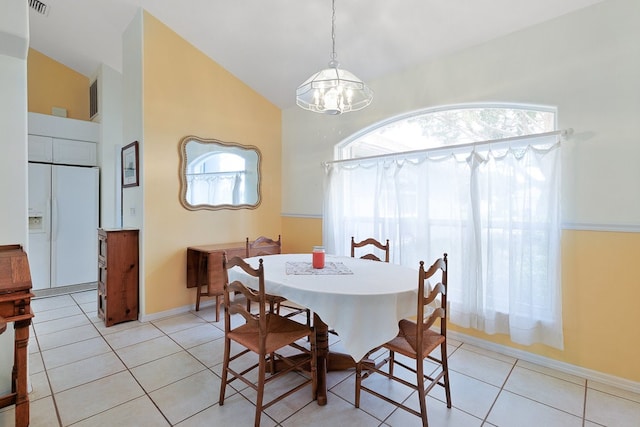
(405, 342)
(280, 332)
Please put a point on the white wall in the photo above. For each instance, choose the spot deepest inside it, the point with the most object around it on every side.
(14, 41)
(133, 124)
(133, 130)
(586, 63)
(110, 116)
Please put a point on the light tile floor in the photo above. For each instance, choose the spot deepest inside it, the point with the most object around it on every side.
(167, 373)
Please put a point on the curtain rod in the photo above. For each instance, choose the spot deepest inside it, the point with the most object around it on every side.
(563, 133)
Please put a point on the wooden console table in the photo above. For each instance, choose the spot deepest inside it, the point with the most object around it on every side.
(204, 268)
(15, 306)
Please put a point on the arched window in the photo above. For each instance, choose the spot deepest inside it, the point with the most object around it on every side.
(448, 126)
(480, 182)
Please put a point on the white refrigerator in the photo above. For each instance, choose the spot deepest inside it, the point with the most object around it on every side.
(63, 223)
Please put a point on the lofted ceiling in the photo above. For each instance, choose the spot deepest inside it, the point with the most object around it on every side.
(274, 45)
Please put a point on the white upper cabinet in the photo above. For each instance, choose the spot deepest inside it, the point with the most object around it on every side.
(62, 141)
(71, 152)
(40, 148)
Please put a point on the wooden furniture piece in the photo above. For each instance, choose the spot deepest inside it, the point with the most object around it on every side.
(417, 341)
(368, 242)
(204, 270)
(266, 246)
(370, 255)
(118, 271)
(263, 246)
(364, 304)
(15, 306)
(265, 334)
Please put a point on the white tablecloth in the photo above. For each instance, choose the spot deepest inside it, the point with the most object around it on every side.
(363, 307)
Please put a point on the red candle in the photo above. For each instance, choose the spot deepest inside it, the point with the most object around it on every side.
(318, 257)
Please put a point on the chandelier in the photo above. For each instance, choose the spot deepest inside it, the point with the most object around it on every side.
(333, 90)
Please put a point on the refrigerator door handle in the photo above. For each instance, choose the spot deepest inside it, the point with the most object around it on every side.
(54, 219)
(47, 223)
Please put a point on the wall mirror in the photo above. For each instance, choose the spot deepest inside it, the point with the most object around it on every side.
(218, 175)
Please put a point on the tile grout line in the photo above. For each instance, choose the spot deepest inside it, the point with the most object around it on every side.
(584, 405)
(46, 374)
(485, 419)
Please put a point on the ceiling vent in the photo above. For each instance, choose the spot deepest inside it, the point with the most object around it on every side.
(39, 7)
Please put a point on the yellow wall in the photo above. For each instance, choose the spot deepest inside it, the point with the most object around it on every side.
(299, 235)
(601, 290)
(186, 93)
(51, 84)
(601, 297)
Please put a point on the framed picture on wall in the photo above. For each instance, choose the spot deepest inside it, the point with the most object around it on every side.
(130, 165)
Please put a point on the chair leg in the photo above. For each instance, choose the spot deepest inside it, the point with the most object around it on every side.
(225, 367)
(261, 378)
(392, 359)
(272, 364)
(445, 369)
(358, 383)
(422, 396)
(217, 308)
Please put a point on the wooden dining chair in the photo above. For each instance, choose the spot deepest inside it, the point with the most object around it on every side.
(267, 246)
(416, 340)
(265, 334)
(370, 255)
(370, 242)
(263, 246)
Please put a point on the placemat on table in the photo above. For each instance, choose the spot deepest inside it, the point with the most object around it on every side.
(296, 267)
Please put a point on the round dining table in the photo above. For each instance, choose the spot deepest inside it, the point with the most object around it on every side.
(362, 300)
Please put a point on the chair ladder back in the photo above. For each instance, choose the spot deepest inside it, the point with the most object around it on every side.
(233, 307)
(438, 290)
(237, 287)
(263, 246)
(373, 242)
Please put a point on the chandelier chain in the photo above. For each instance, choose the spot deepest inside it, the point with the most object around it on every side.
(333, 90)
(333, 31)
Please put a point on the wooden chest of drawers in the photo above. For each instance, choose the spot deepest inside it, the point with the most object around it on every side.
(117, 275)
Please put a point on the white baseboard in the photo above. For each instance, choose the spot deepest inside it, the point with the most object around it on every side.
(588, 374)
(175, 311)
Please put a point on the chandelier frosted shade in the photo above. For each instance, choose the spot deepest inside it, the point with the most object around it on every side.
(333, 91)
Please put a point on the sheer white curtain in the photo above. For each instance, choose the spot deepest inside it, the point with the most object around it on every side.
(494, 210)
(215, 188)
